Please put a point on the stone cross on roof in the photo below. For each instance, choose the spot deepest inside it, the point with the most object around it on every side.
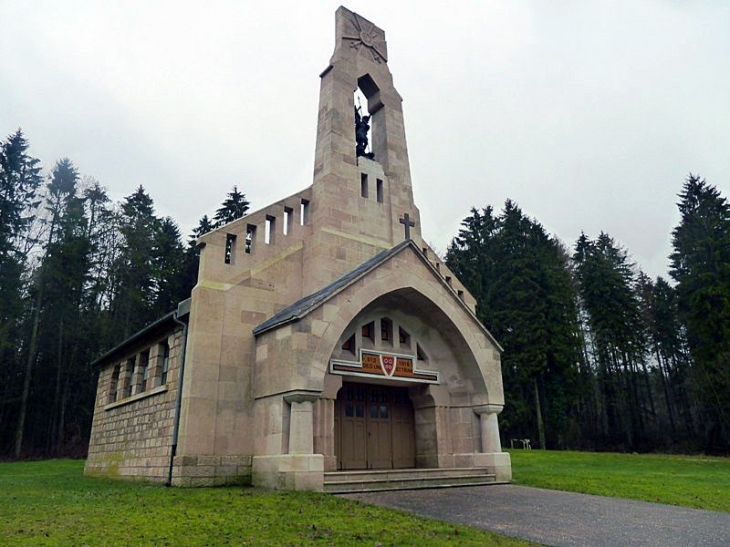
(406, 220)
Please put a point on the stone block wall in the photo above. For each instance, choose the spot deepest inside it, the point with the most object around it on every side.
(131, 435)
(230, 252)
(211, 470)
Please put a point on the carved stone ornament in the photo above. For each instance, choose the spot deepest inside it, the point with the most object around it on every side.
(363, 33)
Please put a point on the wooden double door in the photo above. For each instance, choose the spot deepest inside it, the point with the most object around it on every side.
(374, 428)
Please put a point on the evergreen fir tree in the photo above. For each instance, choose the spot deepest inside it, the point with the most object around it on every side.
(700, 264)
(522, 283)
(234, 206)
(20, 177)
(617, 339)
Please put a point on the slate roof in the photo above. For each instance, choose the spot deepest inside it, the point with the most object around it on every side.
(302, 307)
(156, 327)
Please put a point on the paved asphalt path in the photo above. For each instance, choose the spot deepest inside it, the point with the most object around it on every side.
(562, 518)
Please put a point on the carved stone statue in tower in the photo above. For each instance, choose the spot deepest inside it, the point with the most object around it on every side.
(361, 135)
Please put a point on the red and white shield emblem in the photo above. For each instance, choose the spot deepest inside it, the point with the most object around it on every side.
(388, 364)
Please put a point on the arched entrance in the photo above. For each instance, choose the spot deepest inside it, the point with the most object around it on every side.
(374, 427)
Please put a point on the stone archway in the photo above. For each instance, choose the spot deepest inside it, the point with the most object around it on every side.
(431, 363)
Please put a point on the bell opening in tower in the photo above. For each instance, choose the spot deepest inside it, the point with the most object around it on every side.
(363, 130)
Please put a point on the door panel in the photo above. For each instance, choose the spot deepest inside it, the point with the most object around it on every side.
(404, 432)
(380, 450)
(374, 428)
(353, 429)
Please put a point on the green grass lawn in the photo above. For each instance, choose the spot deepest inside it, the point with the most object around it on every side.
(692, 481)
(52, 503)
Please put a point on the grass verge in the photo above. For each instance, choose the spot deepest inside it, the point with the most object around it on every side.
(691, 481)
(52, 503)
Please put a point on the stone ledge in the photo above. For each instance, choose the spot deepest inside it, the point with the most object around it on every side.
(137, 397)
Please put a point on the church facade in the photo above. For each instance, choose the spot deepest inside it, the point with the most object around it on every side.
(324, 336)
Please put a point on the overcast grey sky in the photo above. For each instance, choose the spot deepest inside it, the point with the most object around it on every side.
(589, 114)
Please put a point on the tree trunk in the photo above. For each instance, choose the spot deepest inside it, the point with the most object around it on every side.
(64, 399)
(538, 411)
(26, 380)
(57, 394)
(670, 407)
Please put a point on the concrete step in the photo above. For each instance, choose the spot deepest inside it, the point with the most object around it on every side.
(404, 479)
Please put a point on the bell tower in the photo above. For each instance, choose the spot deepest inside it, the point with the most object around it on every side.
(358, 200)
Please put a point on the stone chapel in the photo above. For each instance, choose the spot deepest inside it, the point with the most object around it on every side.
(325, 345)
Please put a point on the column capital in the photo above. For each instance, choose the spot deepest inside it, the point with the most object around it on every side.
(488, 409)
(301, 396)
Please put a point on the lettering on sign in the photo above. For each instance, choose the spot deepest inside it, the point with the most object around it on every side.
(371, 363)
(389, 365)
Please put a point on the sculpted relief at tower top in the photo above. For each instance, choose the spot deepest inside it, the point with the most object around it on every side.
(365, 37)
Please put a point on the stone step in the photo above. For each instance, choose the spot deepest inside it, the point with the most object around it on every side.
(395, 474)
(404, 479)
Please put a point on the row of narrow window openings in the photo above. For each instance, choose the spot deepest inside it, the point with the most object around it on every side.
(269, 230)
(386, 335)
(459, 292)
(131, 384)
(365, 187)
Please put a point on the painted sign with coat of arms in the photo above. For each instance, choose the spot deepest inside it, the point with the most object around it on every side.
(383, 364)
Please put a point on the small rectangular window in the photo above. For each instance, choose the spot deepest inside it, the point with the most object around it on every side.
(145, 377)
(288, 214)
(230, 245)
(140, 380)
(304, 212)
(164, 353)
(461, 294)
(448, 280)
(368, 331)
(363, 185)
(127, 378)
(379, 190)
(250, 235)
(114, 384)
(269, 229)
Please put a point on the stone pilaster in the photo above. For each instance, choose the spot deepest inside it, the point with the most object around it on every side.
(324, 432)
(300, 468)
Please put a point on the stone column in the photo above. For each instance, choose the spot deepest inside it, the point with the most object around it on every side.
(124, 385)
(489, 427)
(155, 366)
(491, 456)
